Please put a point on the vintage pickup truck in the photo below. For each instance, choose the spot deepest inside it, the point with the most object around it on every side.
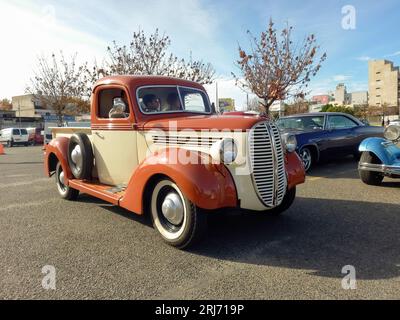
(154, 147)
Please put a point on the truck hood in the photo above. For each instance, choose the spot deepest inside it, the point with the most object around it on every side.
(216, 122)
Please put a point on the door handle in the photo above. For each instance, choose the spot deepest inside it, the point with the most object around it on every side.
(99, 135)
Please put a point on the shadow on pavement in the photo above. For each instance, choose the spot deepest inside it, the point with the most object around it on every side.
(336, 169)
(318, 235)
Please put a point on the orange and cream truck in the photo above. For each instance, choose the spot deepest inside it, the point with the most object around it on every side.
(155, 147)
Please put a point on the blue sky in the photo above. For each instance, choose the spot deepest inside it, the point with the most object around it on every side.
(211, 30)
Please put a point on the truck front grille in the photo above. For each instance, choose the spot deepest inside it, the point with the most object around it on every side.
(268, 163)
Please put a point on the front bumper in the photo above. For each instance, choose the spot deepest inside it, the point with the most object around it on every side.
(382, 168)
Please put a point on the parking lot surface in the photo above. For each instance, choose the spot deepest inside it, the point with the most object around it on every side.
(103, 252)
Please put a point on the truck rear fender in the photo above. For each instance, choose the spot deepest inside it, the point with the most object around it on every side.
(57, 151)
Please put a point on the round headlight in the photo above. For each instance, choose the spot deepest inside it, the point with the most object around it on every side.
(228, 151)
(290, 142)
(392, 133)
(225, 151)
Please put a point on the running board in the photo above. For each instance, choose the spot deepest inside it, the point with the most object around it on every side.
(98, 190)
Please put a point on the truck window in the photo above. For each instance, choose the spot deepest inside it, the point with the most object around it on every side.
(15, 132)
(168, 99)
(24, 132)
(106, 99)
(194, 100)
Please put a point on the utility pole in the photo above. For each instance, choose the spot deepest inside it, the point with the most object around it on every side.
(216, 96)
(19, 114)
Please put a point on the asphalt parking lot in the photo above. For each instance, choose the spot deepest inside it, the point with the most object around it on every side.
(103, 252)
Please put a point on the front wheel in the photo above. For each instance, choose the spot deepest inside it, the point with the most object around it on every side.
(286, 203)
(65, 191)
(370, 177)
(179, 222)
(307, 158)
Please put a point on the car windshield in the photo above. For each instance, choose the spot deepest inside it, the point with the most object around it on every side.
(164, 99)
(302, 123)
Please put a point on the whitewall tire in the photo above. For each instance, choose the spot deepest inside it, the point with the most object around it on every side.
(178, 221)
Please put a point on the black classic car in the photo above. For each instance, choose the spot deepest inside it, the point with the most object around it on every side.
(325, 135)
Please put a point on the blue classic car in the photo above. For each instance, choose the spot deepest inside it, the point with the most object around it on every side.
(380, 157)
(325, 135)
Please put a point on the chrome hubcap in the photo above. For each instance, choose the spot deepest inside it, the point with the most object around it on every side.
(172, 208)
(61, 177)
(76, 156)
(306, 157)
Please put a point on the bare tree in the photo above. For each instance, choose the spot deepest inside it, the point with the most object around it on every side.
(298, 106)
(254, 104)
(277, 69)
(61, 85)
(149, 56)
(5, 104)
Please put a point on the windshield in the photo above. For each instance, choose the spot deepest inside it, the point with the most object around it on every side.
(301, 123)
(164, 99)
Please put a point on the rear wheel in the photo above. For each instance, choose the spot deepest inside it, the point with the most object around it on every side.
(65, 191)
(370, 177)
(179, 222)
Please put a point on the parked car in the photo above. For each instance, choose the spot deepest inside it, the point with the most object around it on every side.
(154, 147)
(380, 157)
(325, 135)
(36, 136)
(14, 136)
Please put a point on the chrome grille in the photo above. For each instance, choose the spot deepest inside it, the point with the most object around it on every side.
(268, 163)
(193, 141)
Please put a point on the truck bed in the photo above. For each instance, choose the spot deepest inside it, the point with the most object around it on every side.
(69, 131)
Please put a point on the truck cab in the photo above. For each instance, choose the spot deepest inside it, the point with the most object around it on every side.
(155, 147)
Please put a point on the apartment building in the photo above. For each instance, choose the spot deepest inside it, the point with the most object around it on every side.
(28, 106)
(383, 83)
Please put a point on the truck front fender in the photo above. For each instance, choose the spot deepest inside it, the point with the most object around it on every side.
(208, 186)
(386, 151)
(57, 150)
(294, 169)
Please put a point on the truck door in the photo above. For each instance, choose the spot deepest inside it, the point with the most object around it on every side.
(114, 138)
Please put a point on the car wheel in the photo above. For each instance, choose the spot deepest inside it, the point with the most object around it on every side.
(179, 222)
(307, 158)
(286, 203)
(65, 191)
(370, 177)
